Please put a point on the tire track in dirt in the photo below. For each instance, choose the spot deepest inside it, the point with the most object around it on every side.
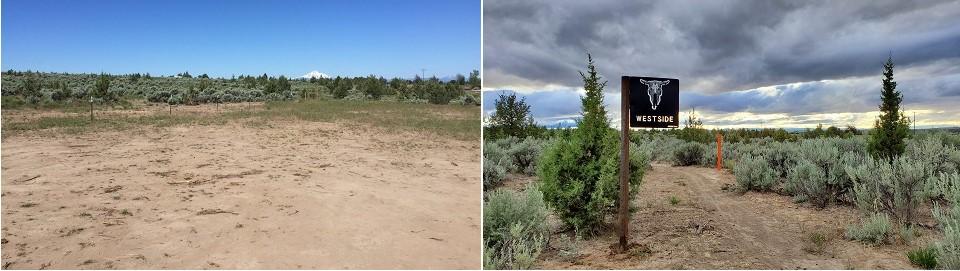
(715, 228)
(756, 233)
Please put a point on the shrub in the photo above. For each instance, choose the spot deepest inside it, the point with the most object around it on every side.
(102, 91)
(662, 148)
(895, 187)
(818, 175)
(948, 249)
(161, 96)
(688, 154)
(467, 99)
(340, 89)
(374, 87)
(753, 173)
(440, 94)
(493, 173)
(781, 157)
(932, 152)
(577, 183)
(514, 228)
(62, 93)
(30, 89)
(808, 183)
(924, 257)
(526, 153)
(875, 230)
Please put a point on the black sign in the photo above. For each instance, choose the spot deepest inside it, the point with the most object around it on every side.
(654, 102)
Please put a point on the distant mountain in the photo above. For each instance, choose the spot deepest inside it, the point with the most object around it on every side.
(561, 124)
(315, 74)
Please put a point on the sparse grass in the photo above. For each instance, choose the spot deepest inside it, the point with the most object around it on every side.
(461, 122)
(923, 257)
(674, 200)
(815, 242)
(74, 106)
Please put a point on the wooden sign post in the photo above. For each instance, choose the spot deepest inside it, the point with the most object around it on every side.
(645, 102)
(624, 210)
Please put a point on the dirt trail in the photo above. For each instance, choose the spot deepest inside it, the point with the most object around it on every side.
(716, 228)
(295, 195)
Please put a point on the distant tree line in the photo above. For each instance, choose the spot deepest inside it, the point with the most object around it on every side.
(35, 88)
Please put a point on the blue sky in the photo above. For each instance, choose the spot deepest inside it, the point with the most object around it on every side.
(222, 38)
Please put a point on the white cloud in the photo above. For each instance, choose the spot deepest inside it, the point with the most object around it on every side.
(315, 74)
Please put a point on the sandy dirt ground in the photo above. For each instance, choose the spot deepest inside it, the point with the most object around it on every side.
(240, 196)
(713, 227)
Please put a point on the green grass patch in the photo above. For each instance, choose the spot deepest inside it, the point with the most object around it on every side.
(461, 122)
(924, 257)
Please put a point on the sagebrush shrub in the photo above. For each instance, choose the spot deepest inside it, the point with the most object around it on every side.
(876, 230)
(514, 228)
(493, 173)
(948, 249)
(808, 183)
(895, 187)
(688, 154)
(819, 174)
(662, 147)
(526, 153)
(516, 155)
(931, 151)
(753, 173)
(781, 156)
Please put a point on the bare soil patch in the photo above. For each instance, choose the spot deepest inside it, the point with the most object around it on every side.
(293, 194)
(710, 227)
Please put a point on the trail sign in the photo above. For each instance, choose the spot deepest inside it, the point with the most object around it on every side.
(654, 102)
(644, 102)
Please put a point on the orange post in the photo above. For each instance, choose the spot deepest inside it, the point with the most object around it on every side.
(719, 151)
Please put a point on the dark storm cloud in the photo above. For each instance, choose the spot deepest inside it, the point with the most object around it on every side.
(713, 46)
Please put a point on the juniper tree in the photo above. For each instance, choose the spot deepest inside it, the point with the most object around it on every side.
(511, 117)
(890, 130)
(474, 80)
(373, 87)
(101, 89)
(579, 173)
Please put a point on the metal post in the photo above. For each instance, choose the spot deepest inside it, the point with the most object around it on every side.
(624, 210)
(91, 108)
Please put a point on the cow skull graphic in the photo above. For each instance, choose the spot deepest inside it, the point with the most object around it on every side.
(654, 91)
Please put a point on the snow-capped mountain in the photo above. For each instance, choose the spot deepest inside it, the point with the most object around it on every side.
(315, 74)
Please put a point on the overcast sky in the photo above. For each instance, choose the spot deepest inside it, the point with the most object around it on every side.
(740, 63)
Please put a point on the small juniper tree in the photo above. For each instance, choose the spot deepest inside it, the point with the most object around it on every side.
(511, 117)
(890, 130)
(474, 80)
(579, 173)
(373, 87)
(101, 89)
